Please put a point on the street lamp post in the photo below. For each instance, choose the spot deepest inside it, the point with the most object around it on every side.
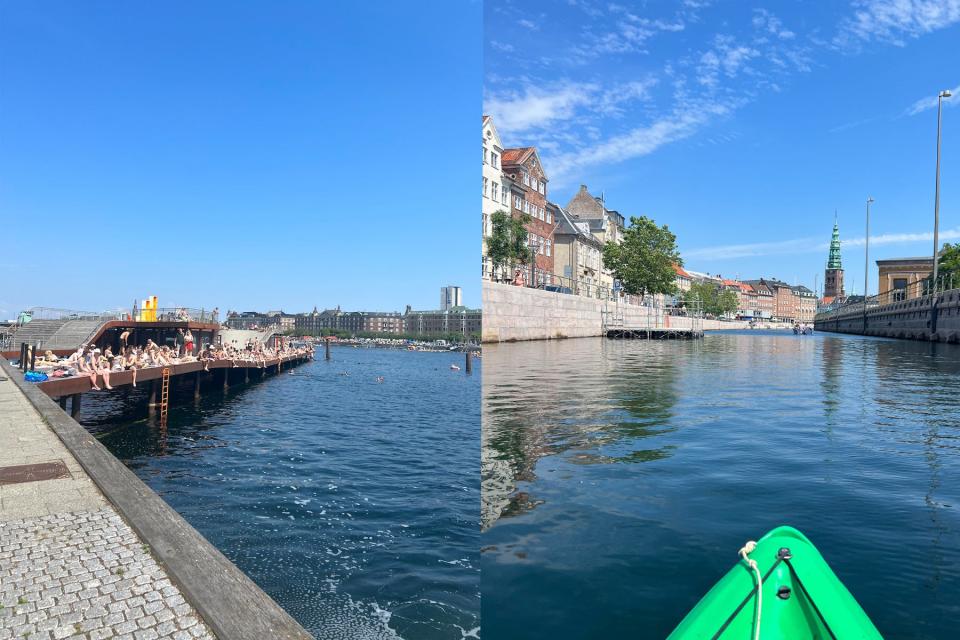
(936, 203)
(866, 266)
(866, 254)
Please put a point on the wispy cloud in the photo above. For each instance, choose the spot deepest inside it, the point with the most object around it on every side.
(811, 245)
(930, 102)
(896, 21)
(539, 107)
(529, 24)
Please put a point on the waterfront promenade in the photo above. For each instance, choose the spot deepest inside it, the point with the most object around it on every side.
(89, 551)
(70, 567)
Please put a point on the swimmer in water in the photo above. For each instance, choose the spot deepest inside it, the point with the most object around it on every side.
(379, 379)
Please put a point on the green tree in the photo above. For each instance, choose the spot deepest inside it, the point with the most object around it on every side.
(948, 267)
(507, 243)
(712, 298)
(643, 262)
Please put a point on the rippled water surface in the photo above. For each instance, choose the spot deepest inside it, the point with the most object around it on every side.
(352, 503)
(621, 477)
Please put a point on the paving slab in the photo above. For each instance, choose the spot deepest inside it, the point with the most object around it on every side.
(70, 566)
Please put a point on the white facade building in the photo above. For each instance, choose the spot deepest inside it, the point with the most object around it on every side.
(496, 193)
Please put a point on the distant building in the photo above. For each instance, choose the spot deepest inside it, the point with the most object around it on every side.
(833, 274)
(450, 296)
(460, 320)
(899, 277)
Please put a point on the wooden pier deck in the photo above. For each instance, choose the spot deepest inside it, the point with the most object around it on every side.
(659, 333)
(63, 387)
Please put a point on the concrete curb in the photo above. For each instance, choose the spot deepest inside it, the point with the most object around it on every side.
(231, 604)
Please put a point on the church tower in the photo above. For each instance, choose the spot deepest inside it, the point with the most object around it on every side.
(833, 276)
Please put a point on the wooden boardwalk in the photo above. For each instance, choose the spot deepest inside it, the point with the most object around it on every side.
(62, 387)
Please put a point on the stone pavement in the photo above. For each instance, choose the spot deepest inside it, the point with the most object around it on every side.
(70, 567)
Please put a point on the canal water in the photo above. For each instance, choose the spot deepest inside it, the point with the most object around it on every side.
(619, 478)
(353, 503)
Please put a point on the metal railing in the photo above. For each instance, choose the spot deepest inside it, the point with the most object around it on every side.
(536, 278)
(912, 291)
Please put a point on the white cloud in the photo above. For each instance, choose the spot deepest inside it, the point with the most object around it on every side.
(727, 57)
(811, 245)
(505, 47)
(529, 24)
(766, 21)
(894, 21)
(558, 105)
(635, 143)
(534, 107)
(930, 102)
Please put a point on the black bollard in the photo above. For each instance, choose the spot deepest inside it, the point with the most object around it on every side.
(327, 343)
(33, 358)
(469, 355)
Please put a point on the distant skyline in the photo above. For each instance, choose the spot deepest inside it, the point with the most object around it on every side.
(742, 127)
(240, 156)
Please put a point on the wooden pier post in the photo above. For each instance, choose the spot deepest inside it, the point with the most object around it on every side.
(327, 344)
(75, 406)
(196, 386)
(63, 402)
(469, 361)
(226, 379)
(246, 375)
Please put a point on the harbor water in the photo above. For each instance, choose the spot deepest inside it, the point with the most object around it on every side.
(352, 502)
(619, 478)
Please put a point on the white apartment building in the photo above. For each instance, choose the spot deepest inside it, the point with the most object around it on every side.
(496, 191)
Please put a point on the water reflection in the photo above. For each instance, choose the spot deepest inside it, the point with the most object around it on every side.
(609, 465)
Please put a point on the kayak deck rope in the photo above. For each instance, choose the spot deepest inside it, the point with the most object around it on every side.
(745, 552)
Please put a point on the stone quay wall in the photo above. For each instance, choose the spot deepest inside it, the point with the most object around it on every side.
(932, 317)
(518, 313)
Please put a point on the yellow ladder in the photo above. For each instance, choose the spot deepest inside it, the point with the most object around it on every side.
(164, 396)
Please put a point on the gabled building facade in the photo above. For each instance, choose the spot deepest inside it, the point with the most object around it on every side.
(496, 194)
(529, 196)
(578, 254)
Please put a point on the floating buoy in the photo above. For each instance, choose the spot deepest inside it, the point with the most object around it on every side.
(454, 367)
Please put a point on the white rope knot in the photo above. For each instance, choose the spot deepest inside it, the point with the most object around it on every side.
(744, 553)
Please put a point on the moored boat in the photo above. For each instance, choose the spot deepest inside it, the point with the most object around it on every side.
(799, 597)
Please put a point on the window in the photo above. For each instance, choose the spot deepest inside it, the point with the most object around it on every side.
(549, 216)
(518, 203)
(495, 191)
(543, 187)
(494, 160)
(484, 154)
(485, 187)
(526, 179)
(549, 244)
(504, 196)
(526, 207)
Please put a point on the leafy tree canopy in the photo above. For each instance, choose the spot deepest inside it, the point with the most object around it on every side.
(711, 298)
(643, 262)
(507, 243)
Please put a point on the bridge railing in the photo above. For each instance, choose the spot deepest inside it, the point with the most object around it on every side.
(912, 291)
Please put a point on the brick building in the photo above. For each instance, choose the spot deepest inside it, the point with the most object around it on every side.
(529, 196)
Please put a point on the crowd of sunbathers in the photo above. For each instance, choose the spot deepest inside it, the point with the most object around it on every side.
(90, 361)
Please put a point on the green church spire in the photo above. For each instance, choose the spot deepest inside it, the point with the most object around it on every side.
(833, 262)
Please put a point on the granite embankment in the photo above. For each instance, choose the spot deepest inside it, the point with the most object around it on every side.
(517, 313)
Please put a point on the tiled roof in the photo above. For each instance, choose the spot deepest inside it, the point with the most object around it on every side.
(515, 156)
(681, 272)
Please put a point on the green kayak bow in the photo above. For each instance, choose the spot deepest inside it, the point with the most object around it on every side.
(800, 597)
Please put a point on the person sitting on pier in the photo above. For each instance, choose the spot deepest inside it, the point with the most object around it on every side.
(102, 366)
(85, 366)
(129, 362)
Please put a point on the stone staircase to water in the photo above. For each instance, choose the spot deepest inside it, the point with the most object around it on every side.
(55, 334)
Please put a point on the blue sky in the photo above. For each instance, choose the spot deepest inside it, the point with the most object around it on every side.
(742, 125)
(240, 155)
